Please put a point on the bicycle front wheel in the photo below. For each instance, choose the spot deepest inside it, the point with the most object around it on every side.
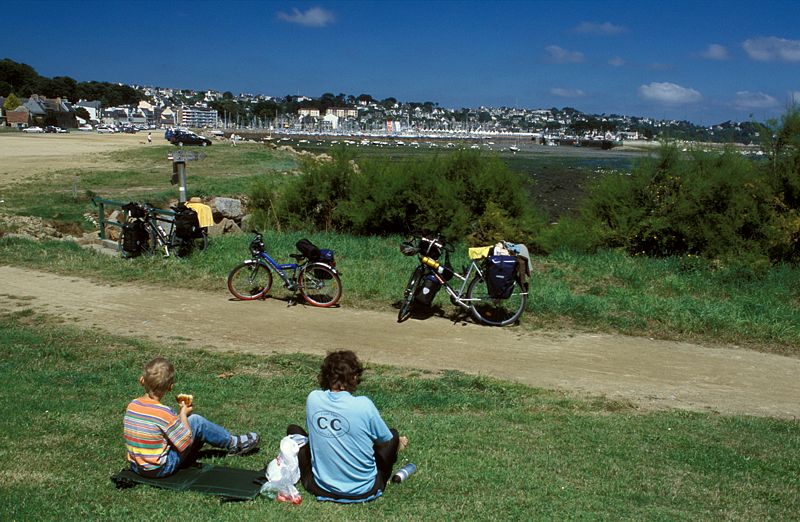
(320, 285)
(409, 293)
(495, 312)
(250, 280)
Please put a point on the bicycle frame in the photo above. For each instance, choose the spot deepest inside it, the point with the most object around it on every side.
(457, 297)
(164, 239)
(281, 268)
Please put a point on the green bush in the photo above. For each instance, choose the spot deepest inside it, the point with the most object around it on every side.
(715, 205)
(465, 196)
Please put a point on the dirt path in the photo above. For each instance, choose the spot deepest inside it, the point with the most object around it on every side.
(650, 374)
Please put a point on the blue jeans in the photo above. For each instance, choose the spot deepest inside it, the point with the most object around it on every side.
(203, 431)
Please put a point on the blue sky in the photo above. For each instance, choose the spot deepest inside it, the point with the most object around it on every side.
(702, 61)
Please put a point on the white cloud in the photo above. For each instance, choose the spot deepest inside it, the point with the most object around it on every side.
(794, 97)
(567, 93)
(669, 93)
(313, 17)
(754, 100)
(617, 61)
(559, 55)
(772, 49)
(715, 52)
(604, 29)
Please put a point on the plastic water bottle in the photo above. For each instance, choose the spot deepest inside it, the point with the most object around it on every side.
(403, 473)
(444, 271)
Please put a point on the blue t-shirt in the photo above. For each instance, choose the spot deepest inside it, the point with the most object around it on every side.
(342, 430)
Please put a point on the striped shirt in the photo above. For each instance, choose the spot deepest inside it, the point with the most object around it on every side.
(150, 429)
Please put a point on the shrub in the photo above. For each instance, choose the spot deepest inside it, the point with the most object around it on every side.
(716, 205)
(465, 196)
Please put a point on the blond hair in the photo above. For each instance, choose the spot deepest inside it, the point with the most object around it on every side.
(158, 376)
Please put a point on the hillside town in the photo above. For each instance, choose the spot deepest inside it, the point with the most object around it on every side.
(163, 108)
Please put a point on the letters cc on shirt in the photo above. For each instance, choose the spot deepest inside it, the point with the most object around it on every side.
(330, 424)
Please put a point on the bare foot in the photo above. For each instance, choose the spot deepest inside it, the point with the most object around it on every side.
(403, 443)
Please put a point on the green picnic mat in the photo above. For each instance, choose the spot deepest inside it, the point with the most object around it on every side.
(231, 483)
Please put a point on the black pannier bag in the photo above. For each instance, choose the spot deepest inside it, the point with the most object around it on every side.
(500, 274)
(308, 249)
(187, 224)
(427, 290)
(134, 237)
(430, 247)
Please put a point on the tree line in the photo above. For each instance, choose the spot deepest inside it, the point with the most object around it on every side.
(22, 80)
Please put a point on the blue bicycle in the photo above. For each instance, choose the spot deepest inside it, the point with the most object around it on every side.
(313, 274)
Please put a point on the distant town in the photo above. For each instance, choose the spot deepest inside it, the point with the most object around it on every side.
(63, 104)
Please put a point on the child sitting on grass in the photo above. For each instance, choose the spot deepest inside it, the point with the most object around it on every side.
(158, 441)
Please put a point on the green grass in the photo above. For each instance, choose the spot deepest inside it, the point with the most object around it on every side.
(142, 174)
(681, 299)
(486, 449)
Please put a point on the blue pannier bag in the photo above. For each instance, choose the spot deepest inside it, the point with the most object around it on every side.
(427, 290)
(500, 274)
(325, 256)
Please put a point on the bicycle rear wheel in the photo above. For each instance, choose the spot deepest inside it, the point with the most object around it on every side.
(186, 247)
(250, 280)
(320, 285)
(409, 293)
(495, 312)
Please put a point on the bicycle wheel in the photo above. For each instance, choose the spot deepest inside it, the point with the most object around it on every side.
(491, 311)
(320, 285)
(409, 293)
(250, 280)
(186, 247)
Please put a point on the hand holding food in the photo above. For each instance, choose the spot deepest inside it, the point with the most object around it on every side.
(185, 398)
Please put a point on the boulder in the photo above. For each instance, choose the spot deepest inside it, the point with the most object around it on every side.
(226, 226)
(228, 207)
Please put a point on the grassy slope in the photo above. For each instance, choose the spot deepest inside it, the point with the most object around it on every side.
(486, 450)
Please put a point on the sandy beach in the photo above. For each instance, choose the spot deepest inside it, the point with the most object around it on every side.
(25, 155)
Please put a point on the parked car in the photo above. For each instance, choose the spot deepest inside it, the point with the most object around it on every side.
(189, 138)
(85, 128)
(34, 129)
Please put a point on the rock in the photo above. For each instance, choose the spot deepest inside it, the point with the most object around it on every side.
(228, 207)
(226, 226)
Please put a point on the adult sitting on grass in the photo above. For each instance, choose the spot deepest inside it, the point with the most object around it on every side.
(159, 442)
(351, 451)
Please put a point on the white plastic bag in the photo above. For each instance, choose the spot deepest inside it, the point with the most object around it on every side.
(283, 471)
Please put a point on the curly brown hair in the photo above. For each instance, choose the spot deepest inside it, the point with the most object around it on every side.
(340, 371)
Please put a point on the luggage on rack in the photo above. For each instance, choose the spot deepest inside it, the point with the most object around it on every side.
(134, 237)
(500, 275)
(187, 225)
(427, 289)
(309, 250)
(325, 256)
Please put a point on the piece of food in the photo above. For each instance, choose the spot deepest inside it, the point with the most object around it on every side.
(185, 398)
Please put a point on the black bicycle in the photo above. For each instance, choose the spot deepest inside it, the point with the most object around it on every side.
(148, 230)
(489, 303)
